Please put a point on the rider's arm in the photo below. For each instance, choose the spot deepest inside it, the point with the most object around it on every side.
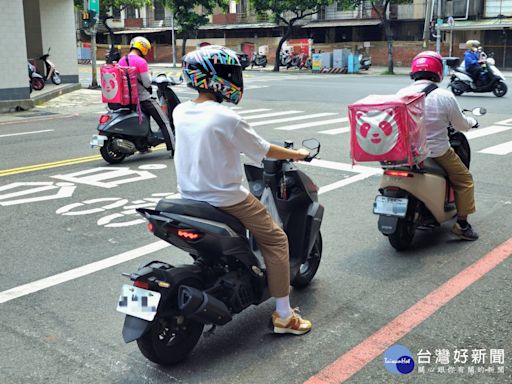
(145, 78)
(281, 153)
(470, 59)
(459, 121)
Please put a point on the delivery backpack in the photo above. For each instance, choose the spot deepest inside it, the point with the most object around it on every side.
(119, 85)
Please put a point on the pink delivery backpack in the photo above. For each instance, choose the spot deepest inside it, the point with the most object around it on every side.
(119, 85)
(388, 128)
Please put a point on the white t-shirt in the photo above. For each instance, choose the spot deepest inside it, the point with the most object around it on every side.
(441, 108)
(209, 140)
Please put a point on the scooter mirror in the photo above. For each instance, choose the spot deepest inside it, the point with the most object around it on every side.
(479, 111)
(311, 144)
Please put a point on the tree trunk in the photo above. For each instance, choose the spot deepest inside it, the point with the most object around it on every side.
(280, 45)
(184, 47)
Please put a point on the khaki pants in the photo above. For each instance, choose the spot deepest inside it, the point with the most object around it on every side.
(271, 239)
(461, 181)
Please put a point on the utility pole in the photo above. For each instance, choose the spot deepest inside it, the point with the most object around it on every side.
(438, 31)
(173, 41)
(426, 27)
(94, 82)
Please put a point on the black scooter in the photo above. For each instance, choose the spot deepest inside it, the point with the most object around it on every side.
(258, 60)
(167, 307)
(121, 132)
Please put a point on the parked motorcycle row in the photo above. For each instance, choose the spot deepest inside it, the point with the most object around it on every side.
(37, 80)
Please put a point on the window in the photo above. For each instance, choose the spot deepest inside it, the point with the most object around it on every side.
(130, 12)
(116, 12)
(159, 11)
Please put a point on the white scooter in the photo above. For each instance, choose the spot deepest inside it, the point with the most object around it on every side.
(461, 81)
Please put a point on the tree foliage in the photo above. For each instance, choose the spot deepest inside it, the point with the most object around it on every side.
(288, 12)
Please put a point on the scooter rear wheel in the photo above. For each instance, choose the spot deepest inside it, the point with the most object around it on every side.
(308, 270)
(169, 340)
(110, 155)
(404, 233)
(457, 88)
(37, 83)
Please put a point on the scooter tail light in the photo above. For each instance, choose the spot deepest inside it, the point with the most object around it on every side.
(398, 173)
(141, 284)
(104, 119)
(188, 234)
(151, 228)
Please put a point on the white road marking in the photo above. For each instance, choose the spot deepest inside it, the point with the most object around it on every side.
(72, 274)
(505, 122)
(480, 132)
(26, 133)
(313, 124)
(254, 111)
(336, 131)
(500, 149)
(294, 118)
(252, 117)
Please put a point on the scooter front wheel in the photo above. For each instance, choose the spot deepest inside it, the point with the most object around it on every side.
(56, 79)
(308, 270)
(109, 154)
(500, 89)
(169, 340)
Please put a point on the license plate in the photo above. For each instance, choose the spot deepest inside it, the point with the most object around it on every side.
(390, 206)
(98, 140)
(138, 302)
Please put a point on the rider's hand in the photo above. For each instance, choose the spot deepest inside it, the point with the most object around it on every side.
(302, 154)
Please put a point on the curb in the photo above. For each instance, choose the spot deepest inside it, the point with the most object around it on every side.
(63, 89)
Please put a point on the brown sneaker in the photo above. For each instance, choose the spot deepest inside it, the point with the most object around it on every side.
(293, 324)
(464, 233)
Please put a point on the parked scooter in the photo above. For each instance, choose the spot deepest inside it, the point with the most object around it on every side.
(36, 81)
(418, 197)
(122, 132)
(50, 71)
(461, 81)
(258, 60)
(167, 307)
(365, 62)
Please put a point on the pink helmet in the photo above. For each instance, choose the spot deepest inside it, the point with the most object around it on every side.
(427, 64)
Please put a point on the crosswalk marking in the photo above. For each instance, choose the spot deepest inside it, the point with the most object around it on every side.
(294, 118)
(480, 132)
(313, 124)
(271, 114)
(254, 111)
(335, 131)
(500, 149)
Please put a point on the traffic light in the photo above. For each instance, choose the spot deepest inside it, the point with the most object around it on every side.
(88, 18)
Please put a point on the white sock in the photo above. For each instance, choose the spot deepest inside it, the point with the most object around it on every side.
(283, 308)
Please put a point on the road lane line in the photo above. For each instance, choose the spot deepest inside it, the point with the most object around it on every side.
(72, 274)
(500, 149)
(313, 124)
(294, 118)
(29, 119)
(358, 357)
(335, 131)
(27, 133)
(252, 117)
(253, 111)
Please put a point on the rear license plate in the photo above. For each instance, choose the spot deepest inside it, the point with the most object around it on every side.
(97, 140)
(390, 206)
(138, 302)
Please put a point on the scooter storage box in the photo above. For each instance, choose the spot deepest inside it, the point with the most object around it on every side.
(119, 84)
(388, 128)
(452, 62)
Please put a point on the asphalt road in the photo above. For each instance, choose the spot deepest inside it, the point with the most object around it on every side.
(59, 215)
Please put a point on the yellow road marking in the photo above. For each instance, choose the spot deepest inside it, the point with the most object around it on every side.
(56, 164)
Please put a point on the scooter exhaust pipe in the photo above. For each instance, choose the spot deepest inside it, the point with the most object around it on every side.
(200, 306)
(124, 146)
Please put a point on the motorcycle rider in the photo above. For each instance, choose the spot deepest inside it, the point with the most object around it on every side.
(209, 140)
(139, 48)
(472, 62)
(441, 109)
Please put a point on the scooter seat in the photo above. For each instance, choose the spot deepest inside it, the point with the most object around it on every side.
(431, 166)
(203, 210)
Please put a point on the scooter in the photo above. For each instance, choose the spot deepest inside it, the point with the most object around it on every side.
(461, 81)
(365, 62)
(51, 72)
(122, 132)
(167, 307)
(258, 60)
(419, 196)
(36, 81)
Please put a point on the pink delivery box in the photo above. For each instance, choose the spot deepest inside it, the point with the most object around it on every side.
(119, 84)
(388, 128)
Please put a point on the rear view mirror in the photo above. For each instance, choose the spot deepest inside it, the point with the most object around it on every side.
(479, 111)
(311, 144)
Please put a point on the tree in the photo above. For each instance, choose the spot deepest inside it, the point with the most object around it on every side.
(381, 7)
(188, 19)
(288, 12)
